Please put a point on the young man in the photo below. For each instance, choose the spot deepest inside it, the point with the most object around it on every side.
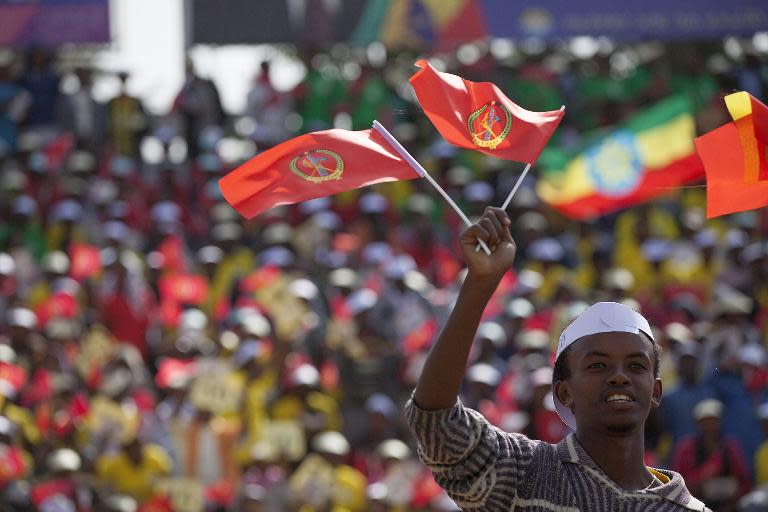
(605, 383)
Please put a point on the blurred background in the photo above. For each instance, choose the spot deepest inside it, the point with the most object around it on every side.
(160, 353)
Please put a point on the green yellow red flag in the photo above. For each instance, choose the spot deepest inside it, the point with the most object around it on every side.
(650, 154)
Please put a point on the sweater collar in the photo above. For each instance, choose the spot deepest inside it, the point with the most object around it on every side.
(570, 450)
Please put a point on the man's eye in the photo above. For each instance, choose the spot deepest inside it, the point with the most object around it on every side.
(637, 366)
(596, 365)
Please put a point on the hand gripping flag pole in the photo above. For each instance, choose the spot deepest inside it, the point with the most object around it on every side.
(422, 172)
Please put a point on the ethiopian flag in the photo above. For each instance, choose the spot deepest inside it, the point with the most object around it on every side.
(646, 156)
(437, 24)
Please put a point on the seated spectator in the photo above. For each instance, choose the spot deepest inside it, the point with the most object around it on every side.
(713, 464)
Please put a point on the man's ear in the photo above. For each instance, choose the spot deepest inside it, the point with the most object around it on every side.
(657, 391)
(562, 393)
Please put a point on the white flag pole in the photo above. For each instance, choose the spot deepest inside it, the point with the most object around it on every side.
(520, 180)
(517, 185)
(424, 174)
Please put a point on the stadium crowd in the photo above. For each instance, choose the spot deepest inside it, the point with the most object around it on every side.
(160, 353)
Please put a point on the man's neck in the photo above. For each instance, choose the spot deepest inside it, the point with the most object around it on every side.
(619, 456)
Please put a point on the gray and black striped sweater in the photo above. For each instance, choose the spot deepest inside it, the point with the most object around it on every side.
(484, 468)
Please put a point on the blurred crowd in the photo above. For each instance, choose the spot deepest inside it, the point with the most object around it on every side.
(160, 353)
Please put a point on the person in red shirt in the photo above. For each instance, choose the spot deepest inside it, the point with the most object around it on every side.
(712, 464)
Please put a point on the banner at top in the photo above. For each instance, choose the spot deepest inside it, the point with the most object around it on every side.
(53, 22)
(626, 21)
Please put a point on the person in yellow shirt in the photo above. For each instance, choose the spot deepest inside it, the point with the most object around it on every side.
(632, 230)
(761, 455)
(324, 482)
(546, 257)
(304, 401)
(135, 469)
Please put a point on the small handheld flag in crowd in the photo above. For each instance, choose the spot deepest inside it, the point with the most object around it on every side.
(310, 166)
(474, 115)
(321, 164)
(478, 116)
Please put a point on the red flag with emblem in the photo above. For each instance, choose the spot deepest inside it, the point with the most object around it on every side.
(310, 166)
(477, 115)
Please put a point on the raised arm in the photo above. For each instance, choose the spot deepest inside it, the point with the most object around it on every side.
(441, 377)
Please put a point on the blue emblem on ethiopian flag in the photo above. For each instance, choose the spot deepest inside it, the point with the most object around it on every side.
(614, 164)
(649, 154)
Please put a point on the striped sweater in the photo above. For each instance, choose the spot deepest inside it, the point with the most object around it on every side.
(483, 468)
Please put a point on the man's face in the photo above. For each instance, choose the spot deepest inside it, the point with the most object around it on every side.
(611, 387)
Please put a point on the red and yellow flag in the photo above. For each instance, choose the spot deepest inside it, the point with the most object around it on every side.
(313, 165)
(726, 164)
(750, 116)
(477, 115)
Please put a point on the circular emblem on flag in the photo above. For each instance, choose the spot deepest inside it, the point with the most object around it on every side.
(318, 165)
(489, 125)
(614, 165)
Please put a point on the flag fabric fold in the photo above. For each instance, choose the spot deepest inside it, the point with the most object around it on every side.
(313, 165)
(477, 115)
(648, 155)
(726, 164)
(750, 117)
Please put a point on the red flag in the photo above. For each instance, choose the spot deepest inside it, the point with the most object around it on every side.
(750, 117)
(172, 370)
(12, 464)
(58, 305)
(58, 149)
(310, 166)
(183, 288)
(420, 338)
(86, 261)
(477, 115)
(172, 250)
(725, 165)
(12, 377)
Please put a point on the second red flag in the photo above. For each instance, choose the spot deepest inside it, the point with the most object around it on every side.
(477, 115)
